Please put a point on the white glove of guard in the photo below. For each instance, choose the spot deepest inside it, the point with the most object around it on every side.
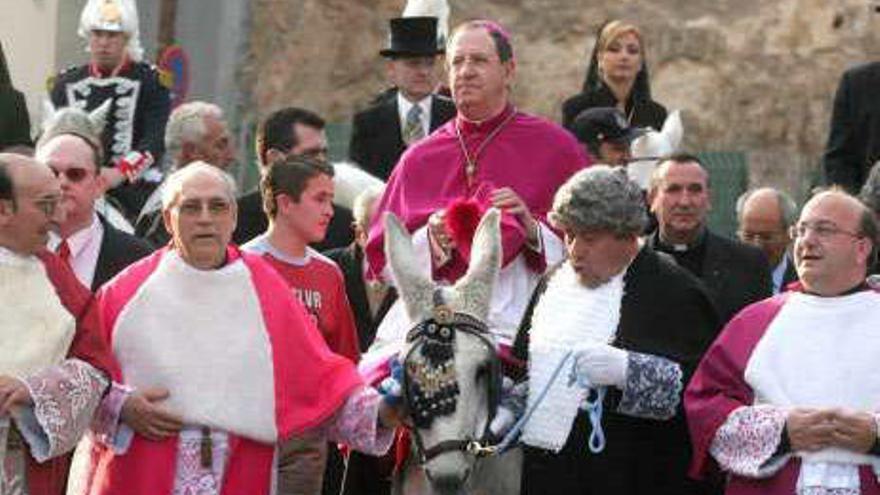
(601, 365)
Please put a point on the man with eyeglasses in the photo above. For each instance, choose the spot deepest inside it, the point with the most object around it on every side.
(54, 365)
(290, 131)
(218, 362)
(765, 216)
(94, 249)
(786, 399)
(411, 111)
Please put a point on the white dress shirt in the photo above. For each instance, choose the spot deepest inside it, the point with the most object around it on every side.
(85, 246)
(778, 274)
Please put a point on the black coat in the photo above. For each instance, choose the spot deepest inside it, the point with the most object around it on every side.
(140, 107)
(665, 311)
(138, 114)
(350, 261)
(645, 112)
(734, 273)
(15, 124)
(376, 140)
(854, 137)
(118, 250)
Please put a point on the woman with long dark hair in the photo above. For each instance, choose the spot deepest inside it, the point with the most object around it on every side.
(617, 77)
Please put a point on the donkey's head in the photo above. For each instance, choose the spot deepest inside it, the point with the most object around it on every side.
(451, 370)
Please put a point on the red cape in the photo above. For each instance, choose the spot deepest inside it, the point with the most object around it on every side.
(719, 387)
(311, 384)
(50, 478)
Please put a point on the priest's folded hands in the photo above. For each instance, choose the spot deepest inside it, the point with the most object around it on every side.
(811, 429)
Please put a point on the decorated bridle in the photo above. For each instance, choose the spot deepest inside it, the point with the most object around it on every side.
(430, 385)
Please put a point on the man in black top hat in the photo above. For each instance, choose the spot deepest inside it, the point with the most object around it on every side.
(382, 132)
(606, 133)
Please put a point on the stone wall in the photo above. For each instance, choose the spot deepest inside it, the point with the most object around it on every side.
(750, 75)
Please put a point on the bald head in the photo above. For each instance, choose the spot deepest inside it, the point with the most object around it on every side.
(24, 171)
(764, 218)
(29, 197)
(835, 243)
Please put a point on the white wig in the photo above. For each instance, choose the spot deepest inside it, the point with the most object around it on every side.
(113, 15)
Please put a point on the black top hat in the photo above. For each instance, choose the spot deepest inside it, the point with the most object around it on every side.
(604, 124)
(412, 36)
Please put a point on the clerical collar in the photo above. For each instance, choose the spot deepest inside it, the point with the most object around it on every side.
(485, 126)
(681, 248)
(863, 286)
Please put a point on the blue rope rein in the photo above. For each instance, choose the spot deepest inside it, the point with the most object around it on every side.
(596, 442)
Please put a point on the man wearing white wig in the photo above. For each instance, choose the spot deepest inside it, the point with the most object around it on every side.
(140, 101)
(637, 324)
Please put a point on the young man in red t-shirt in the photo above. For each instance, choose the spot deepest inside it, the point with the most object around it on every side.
(298, 199)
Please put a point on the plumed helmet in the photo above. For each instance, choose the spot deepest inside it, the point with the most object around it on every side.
(113, 15)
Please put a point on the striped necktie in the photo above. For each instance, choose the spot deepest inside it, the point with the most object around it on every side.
(413, 130)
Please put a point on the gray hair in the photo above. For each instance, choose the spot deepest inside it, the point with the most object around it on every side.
(173, 186)
(870, 194)
(600, 198)
(787, 206)
(360, 210)
(186, 124)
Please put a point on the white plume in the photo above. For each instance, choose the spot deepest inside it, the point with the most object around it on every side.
(654, 144)
(431, 8)
(349, 181)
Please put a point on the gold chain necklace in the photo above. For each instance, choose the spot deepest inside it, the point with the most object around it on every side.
(471, 162)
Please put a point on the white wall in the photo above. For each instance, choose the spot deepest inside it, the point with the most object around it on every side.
(28, 34)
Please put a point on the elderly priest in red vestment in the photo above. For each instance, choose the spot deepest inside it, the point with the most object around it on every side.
(219, 362)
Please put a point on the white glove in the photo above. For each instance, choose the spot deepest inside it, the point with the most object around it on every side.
(601, 365)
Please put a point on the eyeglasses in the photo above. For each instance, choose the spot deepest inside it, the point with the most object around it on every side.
(193, 208)
(762, 237)
(73, 175)
(823, 230)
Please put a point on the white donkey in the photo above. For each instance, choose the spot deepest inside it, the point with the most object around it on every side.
(648, 148)
(451, 372)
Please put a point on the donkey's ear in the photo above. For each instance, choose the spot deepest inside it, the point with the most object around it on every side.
(98, 117)
(673, 130)
(474, 290)
(414, 287)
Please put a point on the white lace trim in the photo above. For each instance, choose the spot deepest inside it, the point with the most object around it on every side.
(65, 398)
(567, 316)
